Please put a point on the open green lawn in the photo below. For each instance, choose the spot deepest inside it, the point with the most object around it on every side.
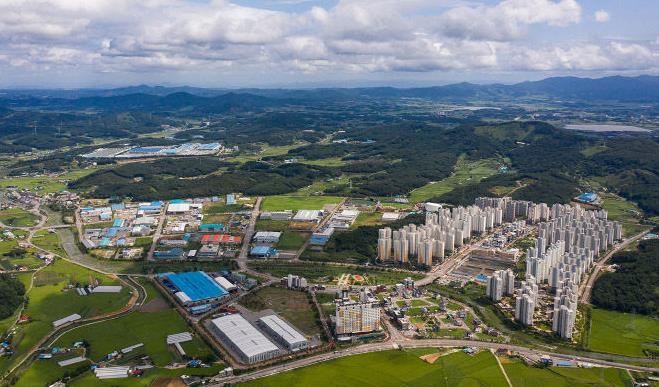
(46, 184)
(17, 217)
(522, 376)
(48, 241)
(266, 151)
(623, 211)
(367, 219)
(150, 328)
(466, 172)
(394, 368)
(290, 202)
(8, 262)
(623, 333)
(317, 272)
(271, 225)
(293, 305)
(49, 301)
(328, 162)
(292, 240)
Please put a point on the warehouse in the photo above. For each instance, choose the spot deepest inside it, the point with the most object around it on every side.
(193, 287)
(243, 338)
(267, 237)
(178, 208)
(263, 252)
(221, 239)
(283, 333)
(225, 283)
(66, 320)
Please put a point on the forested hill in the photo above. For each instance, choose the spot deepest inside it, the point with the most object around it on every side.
(584, 90)
(634, 286)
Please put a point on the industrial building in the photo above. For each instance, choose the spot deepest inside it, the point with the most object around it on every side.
(66, 320)
(193, 288)
(263, 252)
(267, 237)
(357, 317)
(235, 332)
(283, 333)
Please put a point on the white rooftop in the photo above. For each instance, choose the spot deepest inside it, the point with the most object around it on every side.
(244, 335)
(178, 207)
(307, 215)
(283, 329)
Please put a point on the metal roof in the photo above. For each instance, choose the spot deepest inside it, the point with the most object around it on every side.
(243, 335)
(307, 215)
(283, 329)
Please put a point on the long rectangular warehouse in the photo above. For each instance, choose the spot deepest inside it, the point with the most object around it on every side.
(284, 333)
(243, 338)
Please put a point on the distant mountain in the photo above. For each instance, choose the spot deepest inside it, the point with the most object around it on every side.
(609, 89)
(179, 102)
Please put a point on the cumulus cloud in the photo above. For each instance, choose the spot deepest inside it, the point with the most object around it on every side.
(353, 36)
(602, 16)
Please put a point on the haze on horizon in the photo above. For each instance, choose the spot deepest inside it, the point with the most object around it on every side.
(300, 43)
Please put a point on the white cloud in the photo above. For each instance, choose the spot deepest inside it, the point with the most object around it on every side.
(354, 36)
(601, 16)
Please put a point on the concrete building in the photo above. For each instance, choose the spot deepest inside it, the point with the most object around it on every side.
(267, 237)
(243, 339)
(524, 308)
(283, 333)
(357, 317)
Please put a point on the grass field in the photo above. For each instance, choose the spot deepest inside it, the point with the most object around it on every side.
(466, 172)
(394, 368)
(149, 328)
(48, 241)
(317, 272)
(271, 225)
(295, 306)
(292, 240)
(522, 376)
(49, 301)
(623, 211)
(290, 202)
(17, 217)
(266, 151)
(623, 333)
(328, 162)
(45, 184)
(368, 219)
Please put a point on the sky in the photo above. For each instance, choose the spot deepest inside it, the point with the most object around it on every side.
(304, 43)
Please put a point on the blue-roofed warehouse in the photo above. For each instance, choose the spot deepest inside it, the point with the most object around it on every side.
(193, 287)
(211, 227)
(587, 197)
(263, 252)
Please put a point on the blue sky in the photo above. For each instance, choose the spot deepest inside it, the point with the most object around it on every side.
(298, 43)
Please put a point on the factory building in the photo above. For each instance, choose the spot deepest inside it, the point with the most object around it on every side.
(243, 339)
(283, 333)
(357, 317)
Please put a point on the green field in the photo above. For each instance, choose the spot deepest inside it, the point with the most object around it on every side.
(46, 184)
(48, 241)
(271, 225)
(266, 151)
(623, 211)
(329, 273)
(149, 328)
(328, 162)
(622, 333)
(290, 202)
(292, 240)
(522, 376)
(368, 219)
(49, 300)
(394, 368)
(293, 305)
(17, 217)
(466, 172)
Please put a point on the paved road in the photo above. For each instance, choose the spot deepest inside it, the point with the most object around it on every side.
(249, 234)
(158, 233)
(586, 288)
(377, 347)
